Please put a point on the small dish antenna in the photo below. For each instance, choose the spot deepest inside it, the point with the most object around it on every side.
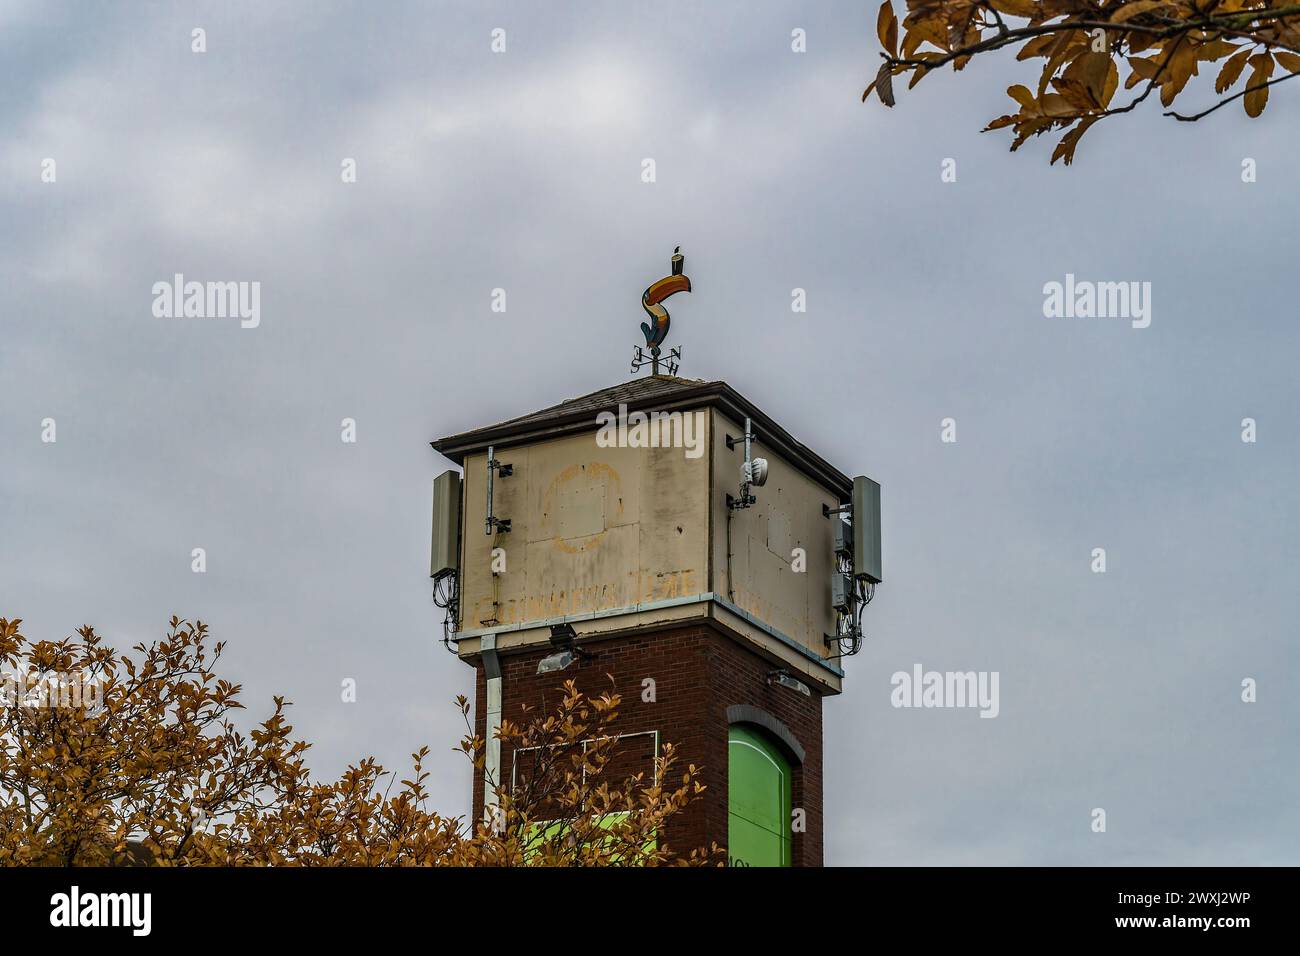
(754, 472)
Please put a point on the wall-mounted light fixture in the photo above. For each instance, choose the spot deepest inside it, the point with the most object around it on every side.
(564, 638)
(783, 679)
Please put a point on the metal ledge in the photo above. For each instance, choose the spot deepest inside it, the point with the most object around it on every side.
(706, 597)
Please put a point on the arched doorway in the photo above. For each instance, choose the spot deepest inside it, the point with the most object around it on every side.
(758, 800)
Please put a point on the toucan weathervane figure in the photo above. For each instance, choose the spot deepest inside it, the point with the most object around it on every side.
(656, 330)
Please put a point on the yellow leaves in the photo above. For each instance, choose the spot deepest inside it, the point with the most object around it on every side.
(1231, 71)
(1110, 84)
(566, 808)
(1080, 45)
(1068, 45)
(1089, 81)
(1257, 98)
(1179, 67)
(1029, 9)
(1074, 93)
(1086, 88)
(1290, 62)
(1137, 8)
(928, 30)
(1038, 46)
(922, 70)
(1142, 69)
(887, 28)
(1215, 50)
(1021, 95)
(1036, 115)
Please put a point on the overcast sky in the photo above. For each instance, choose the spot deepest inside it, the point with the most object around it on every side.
(522, 170)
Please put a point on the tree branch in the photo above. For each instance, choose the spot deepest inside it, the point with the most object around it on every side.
(1224, 102)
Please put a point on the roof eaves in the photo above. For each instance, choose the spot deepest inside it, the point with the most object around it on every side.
(582, 417)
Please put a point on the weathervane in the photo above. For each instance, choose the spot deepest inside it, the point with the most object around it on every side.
(656, 330)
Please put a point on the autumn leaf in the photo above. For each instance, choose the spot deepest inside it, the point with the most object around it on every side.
(1143, 69)
(1231, 71)
(1290, 61)
(1179, 68)
(883, 84)
(1091, 71)
(1018, 8)
(156, 773)
(887, 28)
(1078, 78)
(1131, 10)
(1215, 50)
(1022, 96)
(1257, 96)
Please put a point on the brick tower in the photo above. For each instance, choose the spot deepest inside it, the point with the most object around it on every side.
(624, 515)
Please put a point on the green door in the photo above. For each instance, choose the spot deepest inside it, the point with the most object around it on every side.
(758, 800)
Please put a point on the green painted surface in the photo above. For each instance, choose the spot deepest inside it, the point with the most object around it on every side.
(758, 800)
(544, 832)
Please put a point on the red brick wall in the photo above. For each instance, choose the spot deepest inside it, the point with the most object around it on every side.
(698, 672)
